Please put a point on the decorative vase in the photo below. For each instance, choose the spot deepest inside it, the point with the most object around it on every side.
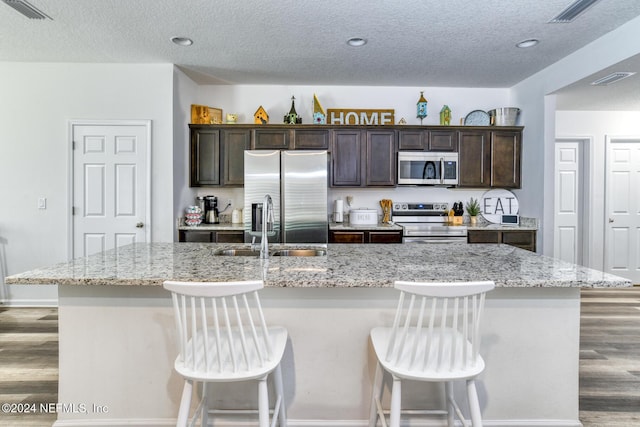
(473, 220)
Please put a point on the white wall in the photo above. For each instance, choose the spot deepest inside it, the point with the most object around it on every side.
(245, 100)
(533, 97)
(37, 102)
(184, 92)
(596, 126)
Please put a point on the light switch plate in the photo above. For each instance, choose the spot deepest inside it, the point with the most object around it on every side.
(42, 203)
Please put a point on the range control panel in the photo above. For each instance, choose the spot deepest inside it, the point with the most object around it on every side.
(409, 207)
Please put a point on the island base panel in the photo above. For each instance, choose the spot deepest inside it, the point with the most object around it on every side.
(117, 350)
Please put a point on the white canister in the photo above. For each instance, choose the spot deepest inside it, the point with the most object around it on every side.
(236, 216)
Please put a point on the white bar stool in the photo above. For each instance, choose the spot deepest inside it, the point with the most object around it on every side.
(435, 337)
(223, 337)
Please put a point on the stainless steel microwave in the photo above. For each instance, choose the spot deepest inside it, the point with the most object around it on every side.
(427, 168)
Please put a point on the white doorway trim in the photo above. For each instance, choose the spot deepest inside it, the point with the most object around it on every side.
(81, 122)
(587, 202)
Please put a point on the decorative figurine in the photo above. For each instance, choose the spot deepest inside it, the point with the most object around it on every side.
(445, 116)
(319, 115)
(232, 119)
(260, 117)
(292, 118)
(402, 121)
(422, 107)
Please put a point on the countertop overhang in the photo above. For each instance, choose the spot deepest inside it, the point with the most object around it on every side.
(345, 265)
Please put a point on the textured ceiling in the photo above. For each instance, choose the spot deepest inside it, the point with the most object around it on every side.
(464, 43)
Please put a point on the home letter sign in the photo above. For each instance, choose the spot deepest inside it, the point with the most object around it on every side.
(360, 117)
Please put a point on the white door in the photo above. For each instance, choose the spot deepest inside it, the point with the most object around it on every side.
(568, 225)
(622, 208)
(110, 185)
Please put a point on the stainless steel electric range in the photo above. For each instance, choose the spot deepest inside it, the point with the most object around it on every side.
(427, 223)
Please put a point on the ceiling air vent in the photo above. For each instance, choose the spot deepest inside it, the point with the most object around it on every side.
(612, 78)
(572, 11)
(27, 9)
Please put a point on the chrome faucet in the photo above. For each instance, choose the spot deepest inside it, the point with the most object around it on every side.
(267, 225)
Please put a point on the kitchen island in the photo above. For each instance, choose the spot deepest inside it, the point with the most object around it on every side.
(117, 331)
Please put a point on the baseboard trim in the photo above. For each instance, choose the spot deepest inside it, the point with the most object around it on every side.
(29, 302)
(161, 422)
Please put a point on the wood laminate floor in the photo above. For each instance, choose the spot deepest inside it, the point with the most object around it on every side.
(28, 366)
(610, 358)
(609, 361)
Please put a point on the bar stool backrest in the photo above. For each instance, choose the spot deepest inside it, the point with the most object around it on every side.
(436, 326)
(221, 327)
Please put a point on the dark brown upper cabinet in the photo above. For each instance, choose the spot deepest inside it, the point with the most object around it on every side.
(234, 143)
(422, 139)
(271, 139)
(363, 158)
(506, 149)
(381, 162)
(474, 149)
(217, 156)
(490, 158)
(311, 139)
(204, 157)
(347, 152)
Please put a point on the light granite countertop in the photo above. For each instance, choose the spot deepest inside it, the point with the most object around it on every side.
(227, 226)
(345, 265)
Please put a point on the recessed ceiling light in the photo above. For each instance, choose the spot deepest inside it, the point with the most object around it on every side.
(528, 43)
(356, 41)
(182, 41)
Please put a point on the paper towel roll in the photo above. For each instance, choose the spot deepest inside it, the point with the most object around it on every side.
(337, 210)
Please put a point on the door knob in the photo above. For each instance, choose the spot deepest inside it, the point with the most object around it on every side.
(140, 225)
(610, 220)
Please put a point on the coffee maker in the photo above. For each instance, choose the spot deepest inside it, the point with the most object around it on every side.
(211, 210)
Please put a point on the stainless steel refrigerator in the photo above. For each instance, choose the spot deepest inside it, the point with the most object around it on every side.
(297, 184)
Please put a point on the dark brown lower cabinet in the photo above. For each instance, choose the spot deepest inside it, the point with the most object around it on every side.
(525, 239)
(365, 236)
(209, 236)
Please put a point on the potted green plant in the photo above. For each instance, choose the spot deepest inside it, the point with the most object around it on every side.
(473, 209)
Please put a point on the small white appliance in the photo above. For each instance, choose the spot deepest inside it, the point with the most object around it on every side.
(427, 168)
(338, 208)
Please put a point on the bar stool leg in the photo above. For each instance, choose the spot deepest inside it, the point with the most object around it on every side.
(185, 404)
(396, 398)
(263, 403)
(448, 386)
(474, 404)
(277, 379)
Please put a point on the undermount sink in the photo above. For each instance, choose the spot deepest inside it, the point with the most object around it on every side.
(300, 252)
(237, 252)
(277, 252)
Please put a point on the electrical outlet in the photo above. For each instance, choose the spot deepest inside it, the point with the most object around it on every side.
(42, 203)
